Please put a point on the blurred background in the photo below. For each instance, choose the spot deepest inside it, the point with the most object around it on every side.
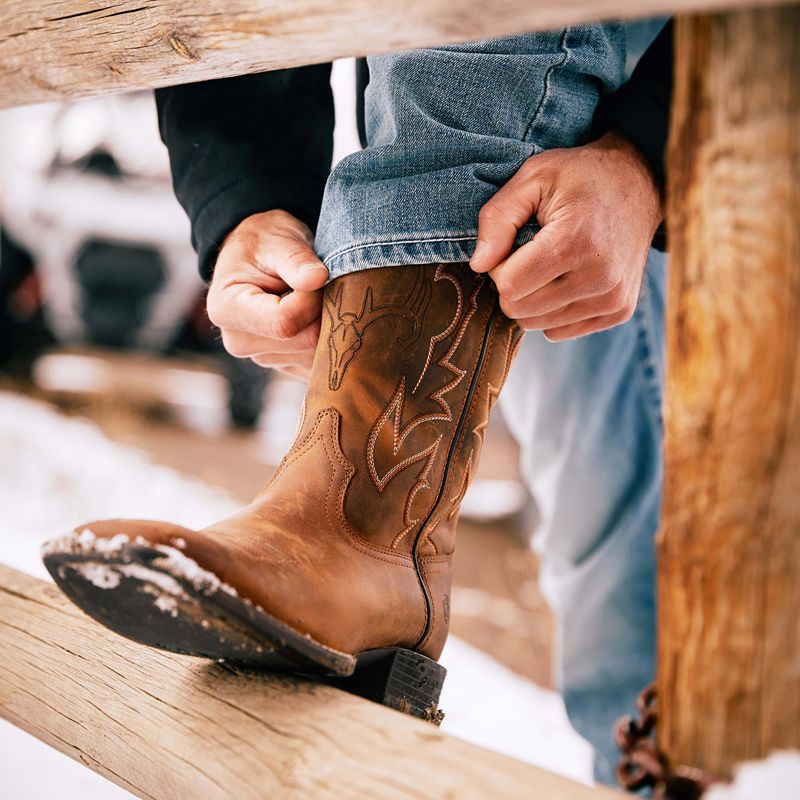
(117, 399)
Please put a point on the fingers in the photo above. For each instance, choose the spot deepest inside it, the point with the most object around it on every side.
(597, 206)
(577, 312)
(285, 360)
(273, 247)
(246, 308)
(562, 292)
(585, 327)
(503, 215)
(550, 255)
(567, 292)
(267, 285)
(292, 356)
(585, 316)
(292, 256)
(248, 345)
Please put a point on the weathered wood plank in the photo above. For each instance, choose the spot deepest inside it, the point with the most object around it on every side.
(51, 49)
(729, 660)
(171, 727)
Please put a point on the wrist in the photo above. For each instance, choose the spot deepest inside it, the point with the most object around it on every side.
(638, 171)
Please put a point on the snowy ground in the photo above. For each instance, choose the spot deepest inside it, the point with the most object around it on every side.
(56, 472)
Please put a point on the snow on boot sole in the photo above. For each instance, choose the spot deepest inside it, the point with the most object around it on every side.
(156, 596)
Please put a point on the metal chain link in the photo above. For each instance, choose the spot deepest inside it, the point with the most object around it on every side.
(643, 765)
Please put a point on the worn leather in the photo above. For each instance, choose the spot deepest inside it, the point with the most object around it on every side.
(357, 526)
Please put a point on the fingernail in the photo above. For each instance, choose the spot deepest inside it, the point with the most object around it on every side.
(311, 266)
(479, 254)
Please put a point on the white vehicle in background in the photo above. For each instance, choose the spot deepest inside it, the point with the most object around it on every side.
(86, 203)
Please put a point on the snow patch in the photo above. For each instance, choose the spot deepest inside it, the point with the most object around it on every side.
(57, 472)
(488, 704)
(85, 543)
(169, 605)
(165, 583)
(170, 559)
(100, 575)
(184, 567)
(776, 777)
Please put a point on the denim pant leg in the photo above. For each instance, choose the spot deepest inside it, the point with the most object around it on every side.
(587, 414)
(446, 127)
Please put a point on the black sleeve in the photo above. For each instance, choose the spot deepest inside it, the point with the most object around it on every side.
(242, 145)
(639, 110)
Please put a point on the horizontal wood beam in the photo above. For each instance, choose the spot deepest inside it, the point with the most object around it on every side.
(55, 49)
(168, 727)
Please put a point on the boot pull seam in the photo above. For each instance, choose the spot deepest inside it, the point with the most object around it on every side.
(486, 340)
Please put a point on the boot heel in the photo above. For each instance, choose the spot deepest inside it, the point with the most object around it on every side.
(400, 679)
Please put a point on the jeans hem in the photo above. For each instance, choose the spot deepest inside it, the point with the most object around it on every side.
(413, 249)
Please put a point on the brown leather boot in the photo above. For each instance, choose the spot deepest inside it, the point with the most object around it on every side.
(348, 550)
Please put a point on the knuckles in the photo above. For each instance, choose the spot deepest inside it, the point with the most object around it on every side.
(236, 344)
(488, 213)
(510, 287)
(282, 327)
(625, 314)
(528, 324)
(215, 309)
(614, 299)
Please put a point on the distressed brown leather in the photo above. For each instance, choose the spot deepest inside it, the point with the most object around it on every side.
(361, 513)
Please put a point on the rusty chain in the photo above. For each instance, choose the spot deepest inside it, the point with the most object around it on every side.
(643, 765)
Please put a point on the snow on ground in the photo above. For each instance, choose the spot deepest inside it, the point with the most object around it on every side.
(775, 778)
(57, 472)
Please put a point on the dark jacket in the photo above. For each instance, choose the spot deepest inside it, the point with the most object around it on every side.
(242, 145)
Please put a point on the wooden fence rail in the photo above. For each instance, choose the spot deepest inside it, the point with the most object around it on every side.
(171, 727)
(54, 49)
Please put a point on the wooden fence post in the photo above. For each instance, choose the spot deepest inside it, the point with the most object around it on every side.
(729, 593)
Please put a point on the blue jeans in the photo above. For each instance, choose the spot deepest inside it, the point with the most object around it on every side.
(446, 127)
(587, 416)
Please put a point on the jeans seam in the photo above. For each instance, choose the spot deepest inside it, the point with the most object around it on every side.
(647, 361)
(562, 43)
(388, 243)
(415, 240)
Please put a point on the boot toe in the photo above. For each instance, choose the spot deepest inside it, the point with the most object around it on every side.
(164, 586)
(109, 535)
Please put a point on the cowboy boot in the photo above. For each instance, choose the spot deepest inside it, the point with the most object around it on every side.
(345, 557)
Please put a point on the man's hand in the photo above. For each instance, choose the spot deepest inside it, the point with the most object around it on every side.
(266, 296)
(598, 207)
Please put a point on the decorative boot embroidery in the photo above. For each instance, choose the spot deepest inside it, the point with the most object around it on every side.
(347, 328)
(492, 393)
(398, 405)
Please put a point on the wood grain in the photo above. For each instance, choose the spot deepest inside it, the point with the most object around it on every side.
(170, 727)
(729, 651)
(53, 49)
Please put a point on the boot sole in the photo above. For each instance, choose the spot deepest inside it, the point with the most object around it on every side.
(156, 596)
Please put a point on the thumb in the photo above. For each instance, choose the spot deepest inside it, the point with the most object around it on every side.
(295, 261)
(501, 218)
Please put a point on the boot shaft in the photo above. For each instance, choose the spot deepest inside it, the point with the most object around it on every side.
(411, 360)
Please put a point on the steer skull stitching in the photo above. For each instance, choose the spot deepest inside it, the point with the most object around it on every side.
(347, 328)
